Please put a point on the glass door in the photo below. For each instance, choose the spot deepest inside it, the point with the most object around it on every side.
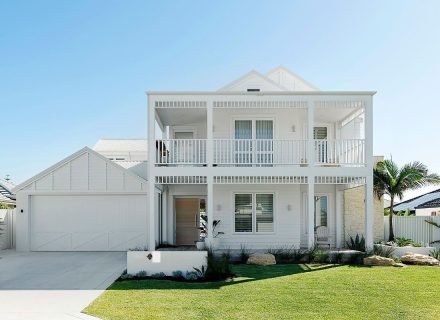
(321, 147)
(254, 142)
(243, 142)
(264, 142)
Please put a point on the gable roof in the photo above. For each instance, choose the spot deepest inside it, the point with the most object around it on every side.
(434, 203)
(248, 76)
(295, 76)
(70, 158)
(411, 204)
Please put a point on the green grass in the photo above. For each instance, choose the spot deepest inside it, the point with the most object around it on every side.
(281, 292)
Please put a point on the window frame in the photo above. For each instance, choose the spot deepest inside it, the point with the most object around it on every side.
(254, 215)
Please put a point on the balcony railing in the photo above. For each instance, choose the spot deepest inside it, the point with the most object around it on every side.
(259, 152)
(340, 152)
(181, 152)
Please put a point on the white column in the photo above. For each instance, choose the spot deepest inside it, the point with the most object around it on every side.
(339, 221)
(311, 212)
(210, 208)
(311, 143)
(165, 214)
(209, 134)
(369, 197)
(369, 213)
(151, 177)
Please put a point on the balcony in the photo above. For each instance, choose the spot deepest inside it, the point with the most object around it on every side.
(260, 152)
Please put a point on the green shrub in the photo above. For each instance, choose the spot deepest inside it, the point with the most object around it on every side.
(284, 254)
(402, 242)
(244, 255)
(158, 275)
(336, 257)
(178, 274)
(383, 251)
(356, 243)
(435, 253)
(218, 267)
(320, 256)
(141, 274)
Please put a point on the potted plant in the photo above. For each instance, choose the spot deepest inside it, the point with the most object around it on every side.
(200, 244)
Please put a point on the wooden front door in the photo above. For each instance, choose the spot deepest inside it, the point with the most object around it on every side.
(187, 221)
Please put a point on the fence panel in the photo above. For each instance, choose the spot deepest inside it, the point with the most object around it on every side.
(413, 227)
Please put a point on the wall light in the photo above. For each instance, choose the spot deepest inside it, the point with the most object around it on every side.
(289, 207)
(293, 128)
(219, 207)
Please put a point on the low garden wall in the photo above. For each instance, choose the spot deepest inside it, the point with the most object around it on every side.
(400, 251)
(165, 262)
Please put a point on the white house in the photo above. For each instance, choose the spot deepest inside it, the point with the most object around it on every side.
(269, 155)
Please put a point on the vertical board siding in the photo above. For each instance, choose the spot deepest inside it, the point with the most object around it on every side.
(413, 227)
(97, 174)
(61, 178)
(79, 168)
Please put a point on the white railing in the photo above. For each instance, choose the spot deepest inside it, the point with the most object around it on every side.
(181, 152)
(259, 152)
(340, 152)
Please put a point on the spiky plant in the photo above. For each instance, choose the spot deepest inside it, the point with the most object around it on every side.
(392, 180)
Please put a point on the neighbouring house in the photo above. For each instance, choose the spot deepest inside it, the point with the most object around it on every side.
(7, 197)
(270, 156)
(427, 204)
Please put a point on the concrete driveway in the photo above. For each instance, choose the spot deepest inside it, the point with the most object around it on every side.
(54, 285)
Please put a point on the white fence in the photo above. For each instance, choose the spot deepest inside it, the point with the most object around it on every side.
(413, 227)
(7, 228)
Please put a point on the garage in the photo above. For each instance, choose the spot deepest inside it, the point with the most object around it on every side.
(88, 222)
(83, 203)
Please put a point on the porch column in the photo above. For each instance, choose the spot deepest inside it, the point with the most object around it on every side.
(209, 134)
(369, 212)
(210, 208)
(369, 163)
(165, 214)
(310, 141)
(151, 177)
(339, 218)
(311, 212)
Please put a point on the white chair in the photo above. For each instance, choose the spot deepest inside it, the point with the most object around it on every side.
(322, 236)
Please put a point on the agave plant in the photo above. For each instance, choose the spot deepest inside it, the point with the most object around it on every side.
(356, 243)
(393, 181)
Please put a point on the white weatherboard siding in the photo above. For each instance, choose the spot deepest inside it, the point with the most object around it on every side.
(286, 222)
(88, 222)
(83, 203)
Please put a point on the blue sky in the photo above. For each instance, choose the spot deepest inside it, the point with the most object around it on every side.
(72, 72)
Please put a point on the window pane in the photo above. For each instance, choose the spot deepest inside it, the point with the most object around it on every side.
(264, 212)
(243, 213)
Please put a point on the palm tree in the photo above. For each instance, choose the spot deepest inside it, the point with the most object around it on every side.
(393, 181)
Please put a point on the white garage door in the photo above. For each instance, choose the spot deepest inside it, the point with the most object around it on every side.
(88, 223)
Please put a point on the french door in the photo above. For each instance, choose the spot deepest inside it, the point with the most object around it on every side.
(253, 142)
(321, 146)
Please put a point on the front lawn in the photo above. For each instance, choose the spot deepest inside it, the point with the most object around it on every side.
(281, 292)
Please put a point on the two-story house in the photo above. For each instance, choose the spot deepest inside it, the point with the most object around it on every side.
(272, 159)
(269, 156)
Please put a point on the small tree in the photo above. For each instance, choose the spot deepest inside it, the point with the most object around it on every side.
(393, 181)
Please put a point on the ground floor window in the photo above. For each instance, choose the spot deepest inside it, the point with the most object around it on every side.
(253, 212)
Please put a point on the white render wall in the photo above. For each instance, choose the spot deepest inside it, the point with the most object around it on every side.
(427, 212)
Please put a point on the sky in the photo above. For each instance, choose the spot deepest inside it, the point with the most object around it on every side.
(72, 72)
